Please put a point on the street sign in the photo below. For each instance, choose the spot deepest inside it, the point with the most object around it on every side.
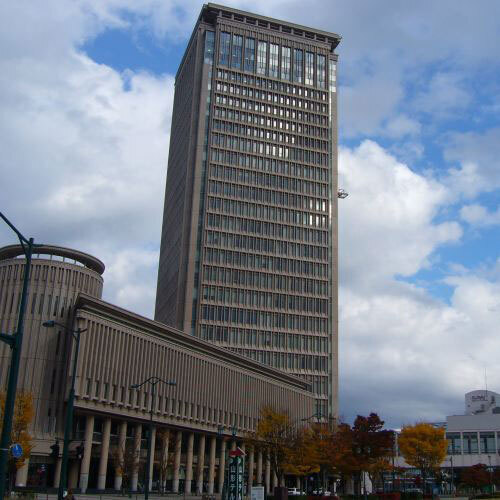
(16, 450)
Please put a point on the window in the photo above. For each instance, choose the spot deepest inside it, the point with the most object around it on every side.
(321, 65)
(262, 58)
(470, 442)
(237, 51)
(209, 46)
(309, 79)
(225, 43)
(250, 55)
(285, 63)
(332, 76)
(298, 60)
(273, 60)
(487, 442)
(454, 443)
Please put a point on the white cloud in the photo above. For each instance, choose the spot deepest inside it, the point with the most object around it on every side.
(405, 354)
(480, 216)
(477, 155)
(387, 221)
(85, 155)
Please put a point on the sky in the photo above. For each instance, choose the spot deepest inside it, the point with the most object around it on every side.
(86, 91)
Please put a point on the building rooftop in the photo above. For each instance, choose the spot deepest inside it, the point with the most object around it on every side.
(13, 251)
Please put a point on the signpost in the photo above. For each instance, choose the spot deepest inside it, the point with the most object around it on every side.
(236, 474)
(257, 493)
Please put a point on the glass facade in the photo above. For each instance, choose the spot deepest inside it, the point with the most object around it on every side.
(286, 60)
(237, 53)
(262, 58)
(298, 63)
(309, 78)
(225, 44)
(249, 54)
(273, 60)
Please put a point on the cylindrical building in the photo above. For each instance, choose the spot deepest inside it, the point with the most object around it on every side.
(58, 275)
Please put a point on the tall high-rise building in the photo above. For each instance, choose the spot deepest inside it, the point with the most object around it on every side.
(248, 254)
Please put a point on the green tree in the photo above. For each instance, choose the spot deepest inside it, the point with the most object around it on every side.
(423, 446)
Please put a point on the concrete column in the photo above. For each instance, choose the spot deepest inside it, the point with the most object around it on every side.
(275, 480)
(87, 453)
(297, 482)
(164, 459)
(73, 474)
(57, 472)
(222, 465)
(211, 466)
(258, 479)
(189, 464)
(122, 440)
(22, 473)
(103, 460)
(251, 461)
(152, 461)
(177, 461)
(268, 477)
(201, 465)
(137, 457)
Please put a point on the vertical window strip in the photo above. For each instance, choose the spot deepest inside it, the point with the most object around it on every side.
(309, 75)
(298, 60)
(273, 60)
(209, 47)
(285, 63)
(237, 51)
(262, 58)
(224, 49)
(249, 55)
(321, 71)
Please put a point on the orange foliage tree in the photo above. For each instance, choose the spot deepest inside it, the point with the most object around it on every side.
(275, 436)
(23, 416)
(423, 446)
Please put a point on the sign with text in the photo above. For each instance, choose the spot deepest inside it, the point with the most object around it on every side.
(257, 493)
(236, 469)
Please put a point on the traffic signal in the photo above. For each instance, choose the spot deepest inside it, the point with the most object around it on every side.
(55, 450)
(79, 451)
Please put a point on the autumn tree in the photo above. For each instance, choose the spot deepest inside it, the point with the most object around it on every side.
(166, 456)
(126, 462)
(274, 436)
(372, 446)
(304, 456)
(423, 446)
(23, 416)
(476, 476)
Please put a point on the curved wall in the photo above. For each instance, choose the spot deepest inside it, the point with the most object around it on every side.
(57, 276)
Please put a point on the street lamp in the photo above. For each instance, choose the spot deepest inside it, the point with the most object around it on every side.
(452, 485)
(491, 475)
(152, 381)
(68, 423)
(15, 342)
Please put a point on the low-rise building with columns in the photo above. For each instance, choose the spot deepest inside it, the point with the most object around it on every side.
(216, 400)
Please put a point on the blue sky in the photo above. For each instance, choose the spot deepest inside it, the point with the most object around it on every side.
(86, 92)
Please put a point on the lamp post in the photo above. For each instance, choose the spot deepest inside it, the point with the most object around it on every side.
(15, 343)
(152, 381)
(68, 422)
(452, 485)
(491, 475)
